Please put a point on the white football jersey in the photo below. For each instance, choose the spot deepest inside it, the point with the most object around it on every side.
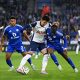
(79, 35)
(39, 37)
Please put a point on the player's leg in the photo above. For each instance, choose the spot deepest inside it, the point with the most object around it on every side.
(43, 50)
(44, 61)
(54, 58)
(9, 51)
(36, 53)
(24, 60)
(28, 55)
(29, 61)
(8, 61)
(21, 49)
(77, 48)
(22, 63)
(65, 56)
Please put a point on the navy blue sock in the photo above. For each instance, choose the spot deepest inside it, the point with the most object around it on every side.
(54, 59)
(71, 63)
(9, 62)
(29, 61)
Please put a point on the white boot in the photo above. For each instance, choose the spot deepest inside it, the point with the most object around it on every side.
(11, 68)
(59, 67)
(76, 70)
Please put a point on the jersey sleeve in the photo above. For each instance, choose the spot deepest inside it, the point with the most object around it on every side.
(47, 33)
(5, 31)
(29, 26)
(21, 28)
(33, 24)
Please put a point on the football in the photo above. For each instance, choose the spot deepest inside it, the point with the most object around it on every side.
(24, 70)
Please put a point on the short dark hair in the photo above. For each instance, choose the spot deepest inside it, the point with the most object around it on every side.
(46, 18)
(12, 17)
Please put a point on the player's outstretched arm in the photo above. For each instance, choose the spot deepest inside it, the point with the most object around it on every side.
(25, 35)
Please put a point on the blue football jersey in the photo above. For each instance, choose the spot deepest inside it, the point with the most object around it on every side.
(14, 34)
(54, 39)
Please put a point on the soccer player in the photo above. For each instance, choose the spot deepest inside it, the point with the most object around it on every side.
(78, 44)
(37, 42)
(53, 42)
(13, 33)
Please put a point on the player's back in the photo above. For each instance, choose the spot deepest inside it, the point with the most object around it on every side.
(14, 33)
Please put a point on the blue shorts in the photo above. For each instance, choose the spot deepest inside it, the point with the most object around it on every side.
(34, 46)
(18, 47)
(58, 48)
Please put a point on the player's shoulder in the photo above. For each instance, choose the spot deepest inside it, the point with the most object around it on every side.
(33, 24)
(37, 22)
(59, 32)
(19, 26)
(7, 27)
(48, 30)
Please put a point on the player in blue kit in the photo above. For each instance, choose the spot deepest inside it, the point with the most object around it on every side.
(14, 32)
(53, 42)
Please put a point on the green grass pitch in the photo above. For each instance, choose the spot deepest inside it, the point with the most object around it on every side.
(53, 73)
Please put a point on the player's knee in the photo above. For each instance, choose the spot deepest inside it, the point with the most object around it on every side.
(30, 52)
(50, 51)
(8, 57)
(44, 51)
(24, 54)
(65, 55)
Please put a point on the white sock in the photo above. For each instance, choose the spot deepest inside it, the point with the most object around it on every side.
(44, 62)
(24, 60)
(77, 49)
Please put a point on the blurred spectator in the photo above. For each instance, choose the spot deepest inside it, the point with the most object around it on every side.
(67, 13)
(45, 10)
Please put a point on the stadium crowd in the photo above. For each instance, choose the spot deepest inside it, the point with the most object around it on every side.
(67, 14)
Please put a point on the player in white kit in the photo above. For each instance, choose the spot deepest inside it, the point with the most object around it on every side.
(78, 44)
(38, 41)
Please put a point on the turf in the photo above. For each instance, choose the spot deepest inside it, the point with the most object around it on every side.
(53, 73)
